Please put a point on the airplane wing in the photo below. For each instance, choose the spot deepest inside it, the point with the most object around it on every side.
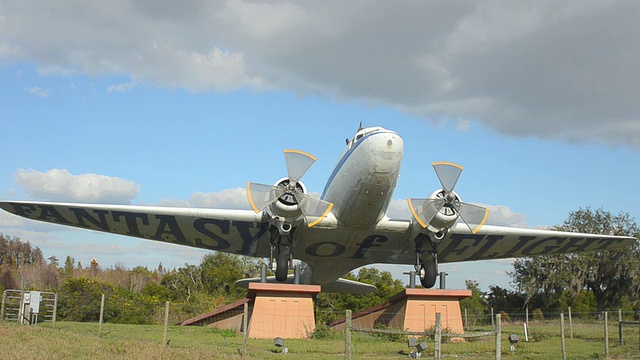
(497, 242)
(492, 242)
(232, 231)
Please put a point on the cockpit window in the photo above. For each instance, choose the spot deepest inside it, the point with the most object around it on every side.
(365, 132)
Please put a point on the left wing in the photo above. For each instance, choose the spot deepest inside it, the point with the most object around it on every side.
(232, 231)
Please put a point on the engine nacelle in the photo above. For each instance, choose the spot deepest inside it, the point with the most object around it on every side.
(287, 205)
(447, 216)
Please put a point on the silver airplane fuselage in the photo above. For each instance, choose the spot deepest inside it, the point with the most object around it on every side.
(363, 180)
(360, 187)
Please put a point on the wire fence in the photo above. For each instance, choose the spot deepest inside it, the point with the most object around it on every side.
(481, 335)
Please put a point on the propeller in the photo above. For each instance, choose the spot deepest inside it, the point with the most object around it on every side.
(447, 202)
(290, 192)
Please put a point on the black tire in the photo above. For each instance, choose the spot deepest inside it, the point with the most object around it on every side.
(428, 273)
(282, 266)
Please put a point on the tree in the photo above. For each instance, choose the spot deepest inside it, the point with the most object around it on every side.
(332, 306)
(610, 275)
(69, 262)
(475, 304)
(80, 299)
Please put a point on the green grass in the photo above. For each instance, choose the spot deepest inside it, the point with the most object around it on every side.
(81, 341)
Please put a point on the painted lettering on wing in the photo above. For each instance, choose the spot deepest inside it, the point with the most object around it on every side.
(202, 232)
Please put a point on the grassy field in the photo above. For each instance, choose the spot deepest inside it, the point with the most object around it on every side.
(81, 341)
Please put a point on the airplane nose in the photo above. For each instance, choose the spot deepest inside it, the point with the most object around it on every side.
(389, 150)
(394, 144)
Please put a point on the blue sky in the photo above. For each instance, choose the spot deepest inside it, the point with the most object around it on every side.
(158, 103)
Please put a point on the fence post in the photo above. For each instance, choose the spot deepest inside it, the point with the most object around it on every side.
(620, 340)
(620, 327)
(570, 324)
(606, 334)
(466, 320)
(564, 347)
(245, 327)
(347, 336)
(438, 337)
(4, 300)
(492, 323)
(101, 312)
(498, 337)
(166, 323)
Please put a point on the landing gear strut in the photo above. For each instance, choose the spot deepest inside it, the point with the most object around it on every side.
(281, 250)
(427, 264)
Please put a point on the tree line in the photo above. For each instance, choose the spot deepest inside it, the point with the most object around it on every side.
(588, 282)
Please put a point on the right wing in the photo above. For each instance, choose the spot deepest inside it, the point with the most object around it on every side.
(231, 231)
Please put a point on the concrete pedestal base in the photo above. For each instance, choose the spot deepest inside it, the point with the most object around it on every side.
(414, 310)
(282, 310)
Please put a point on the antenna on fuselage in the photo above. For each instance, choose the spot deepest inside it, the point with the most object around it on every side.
(360, 127)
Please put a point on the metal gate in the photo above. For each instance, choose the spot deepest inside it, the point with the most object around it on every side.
(29, 307)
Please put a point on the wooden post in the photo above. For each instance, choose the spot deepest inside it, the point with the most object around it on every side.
(347, 337)
(498, 337)
(564, 347)
(620, 327)
(4, 300)
(166, 323)
(620, 333)
(466, 320)
(570, 324)
(492, 324)
(438, 337)
(101, 312)
(606, 334)
(245, 331)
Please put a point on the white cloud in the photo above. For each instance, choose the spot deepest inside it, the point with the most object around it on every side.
(122, 87)
(235, 198)
(557, 70)
(38, 91)
(60, 185)
(503, 216)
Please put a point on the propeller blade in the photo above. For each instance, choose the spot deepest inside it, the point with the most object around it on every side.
(448, 173)
(298, 162)
(261, 195)
(473, 215)
(313, 207)
(424, 210)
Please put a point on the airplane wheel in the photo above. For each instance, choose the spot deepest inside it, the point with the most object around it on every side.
(428, 273)
(282, 266)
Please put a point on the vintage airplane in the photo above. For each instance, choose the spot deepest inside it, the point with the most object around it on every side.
(344, 229)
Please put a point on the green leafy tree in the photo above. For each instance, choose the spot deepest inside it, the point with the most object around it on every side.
(610, 275)
(475, 304)
(220, 271)
(331, 306)
(80, 299)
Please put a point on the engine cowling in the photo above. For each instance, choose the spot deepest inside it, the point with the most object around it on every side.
(287, 205)
(447, 216)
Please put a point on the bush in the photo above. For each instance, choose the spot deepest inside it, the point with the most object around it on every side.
(80, 299)
(323, 331)
(538, 315)
(505, 318)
